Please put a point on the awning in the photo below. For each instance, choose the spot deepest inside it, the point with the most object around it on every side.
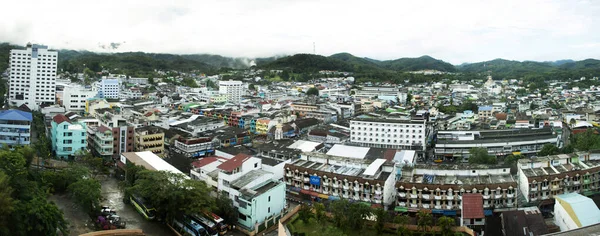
(323, 196)
(516, 153)
(449, 213)
(488, 212)
(400, 209)
(333, 198)
(437, 211)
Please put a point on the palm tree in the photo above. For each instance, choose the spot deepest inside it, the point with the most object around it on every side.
(424, 220)
(402, 221)
(446, 223)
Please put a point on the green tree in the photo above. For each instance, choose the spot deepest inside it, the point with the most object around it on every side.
(481, 156)
(151, 81)
(7, 203)
(446, 223)
(586, 141)
(319, 211)
(512, 159)
(305, 213)
(312, 91)
(356, 215)
(382, 217)
(402, 221)
(567, 149)
(251, 87)
(87, 193)
(224, 208)
(572, 122)
(548, 149)
(424, 220)
(338, 209)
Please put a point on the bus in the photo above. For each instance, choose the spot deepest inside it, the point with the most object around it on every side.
(209, 225)
(218, 221)
(143, 208)
(185, 226)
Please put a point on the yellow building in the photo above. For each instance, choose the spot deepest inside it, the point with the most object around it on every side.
(301, 109)
(150, 138)
(262, 125)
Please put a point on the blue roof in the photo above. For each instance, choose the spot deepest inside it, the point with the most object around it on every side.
(584, 207)
(485, 108)
(15, 115)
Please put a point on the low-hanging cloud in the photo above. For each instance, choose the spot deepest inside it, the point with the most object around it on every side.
(455, 31)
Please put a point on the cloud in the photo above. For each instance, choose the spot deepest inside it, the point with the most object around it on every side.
(455, 31)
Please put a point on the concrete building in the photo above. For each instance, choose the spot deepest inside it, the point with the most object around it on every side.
(375, 91)
(196, 147)
(233, 89)
(32, 78)
(75, 98)
(542, 178)
(108, 88)
(68, 137)
(573, 211)
(389, 133)
(15, 127)
(131, 93)
(148, 160)
(111, 137)
(150, 138)
(263, 201)
(472, 211)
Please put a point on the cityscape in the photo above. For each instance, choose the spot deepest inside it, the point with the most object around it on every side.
(298, 135)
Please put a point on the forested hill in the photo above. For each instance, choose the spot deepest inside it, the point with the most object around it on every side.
(552, 70)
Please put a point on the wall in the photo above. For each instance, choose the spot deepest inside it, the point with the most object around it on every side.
(261, 204)
(478, 172)
(562, 218)
(277, 170)
(389, 189)
(523, 184)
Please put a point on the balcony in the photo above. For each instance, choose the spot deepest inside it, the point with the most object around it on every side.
(438, 207)
(325, 192)
(305, 187)
(335, 185)
(544, 188)
(335, 194)
(413, 196)
(346, 187)
(367, 199)
(291, 175)
(402, 204)
(510, 204)
(486, 205)
(534, 189)
(356, 197)
(377, 201)
(297, 177)
(450, 197)
(510, 195)
(486, 197)
(378, 191)
(586, 181)
(576, 183)
(545, 197)
(426, 206)
(414, 205)
(449, 207)
(497, 196)
(325, 183)
(356, 189)
(401, 194)
(437, 197)
(555, 187)
(306, 179)
(345, 195)
(425, 196)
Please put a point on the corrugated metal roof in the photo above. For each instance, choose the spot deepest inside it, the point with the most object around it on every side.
(373, 167)
(16, 115)
(472, 206)
(584, 208)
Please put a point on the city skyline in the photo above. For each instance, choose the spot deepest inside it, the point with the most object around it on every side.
(459, 32)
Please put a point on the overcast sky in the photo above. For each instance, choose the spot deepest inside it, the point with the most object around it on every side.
(454, 31)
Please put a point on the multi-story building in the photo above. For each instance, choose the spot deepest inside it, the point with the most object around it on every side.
(441, 188)
(68, 137)
(111, 137)
(131, 93)
(233, 89)
(574, 211)
(389, 133)
(32, 78)
(108, 88)
(301, 109)
(196, 147)
(542, 178)
(150, 138)
(74, 98)
(262, 125)
(497, 142)
(485, 112)
(375, 91)
(15, 127)
(93, 104)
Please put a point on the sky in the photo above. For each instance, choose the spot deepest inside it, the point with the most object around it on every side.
(454, 31)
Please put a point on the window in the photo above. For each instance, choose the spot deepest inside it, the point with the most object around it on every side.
(64, 126)
(269, 210)
(256, 166)
(243, 217)
(269, 199)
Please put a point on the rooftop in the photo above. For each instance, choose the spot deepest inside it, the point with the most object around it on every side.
(585, 210)
(472, 206)
(235, 162)
(16, 115)
(248, 178)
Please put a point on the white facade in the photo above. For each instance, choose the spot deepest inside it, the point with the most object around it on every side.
(130, 94)
(74, 98)
(32, 76)
(108, 88)
(233, 89)
(388, 133)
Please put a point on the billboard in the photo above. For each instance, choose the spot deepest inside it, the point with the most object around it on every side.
(315, 180)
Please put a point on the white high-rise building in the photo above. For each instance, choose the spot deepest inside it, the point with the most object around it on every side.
(74, 98)
(233, 89)
(108, 88)
(32, 76)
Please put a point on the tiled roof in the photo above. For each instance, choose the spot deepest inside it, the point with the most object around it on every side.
(204, 161)
(60, 118)
(472, 206)
(235, 162)
(103, 128)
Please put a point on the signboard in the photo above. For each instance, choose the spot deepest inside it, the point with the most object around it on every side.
(315, 180)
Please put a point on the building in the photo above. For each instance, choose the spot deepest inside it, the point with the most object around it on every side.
(472, 210)
(148, 160)
(150, 138)
(528, 142)
(75, 98)
(263, 201)
(523, 222)
(68, 137)
(301, 109)
(442, 187)
(131, 93)
(196, 147)
(15, 126)
(573, 211)
(108, 88)
(542, 178)
(205, 169)
(111, 137)
(32, 79)
(375, 91)
(233, 89)
(389, 133)
(485, 112)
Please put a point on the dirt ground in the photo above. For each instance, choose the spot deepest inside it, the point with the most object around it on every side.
(79, 222)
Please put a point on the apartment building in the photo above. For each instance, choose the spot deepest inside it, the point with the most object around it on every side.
(542, 178)
(150, 138)
(301, 109)
(389, 133)
(108, 88)
(233, 89)
(15, 127)
(68, 137)
(75, 98)
(111, 137)
(375, 91)
(498, 142)
(131, 93)
(196, 147)
(485, 112)
(32, 78)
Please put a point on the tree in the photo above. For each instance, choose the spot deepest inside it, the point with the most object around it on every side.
(224, 208)
(402, 221)
(481, 156)
(572, 122)
(251, 87)
(511, 159)
(446, 223)
(305, 213)
(382, 218)
(586, 141)
(424, 220)
(338, 209)
(333, 231)
(7, 203)
(95, 164)
(151, 81)
(87, 193)
(319, 211)
(356, 214)
(548, 149)
(409, 98)
(312, 91)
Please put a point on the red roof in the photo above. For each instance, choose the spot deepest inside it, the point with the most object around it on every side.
(233, 163)
(389, 154)
(103, 129)
(472, 206)
(60, 118)
(204, 161)
(148, 114)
